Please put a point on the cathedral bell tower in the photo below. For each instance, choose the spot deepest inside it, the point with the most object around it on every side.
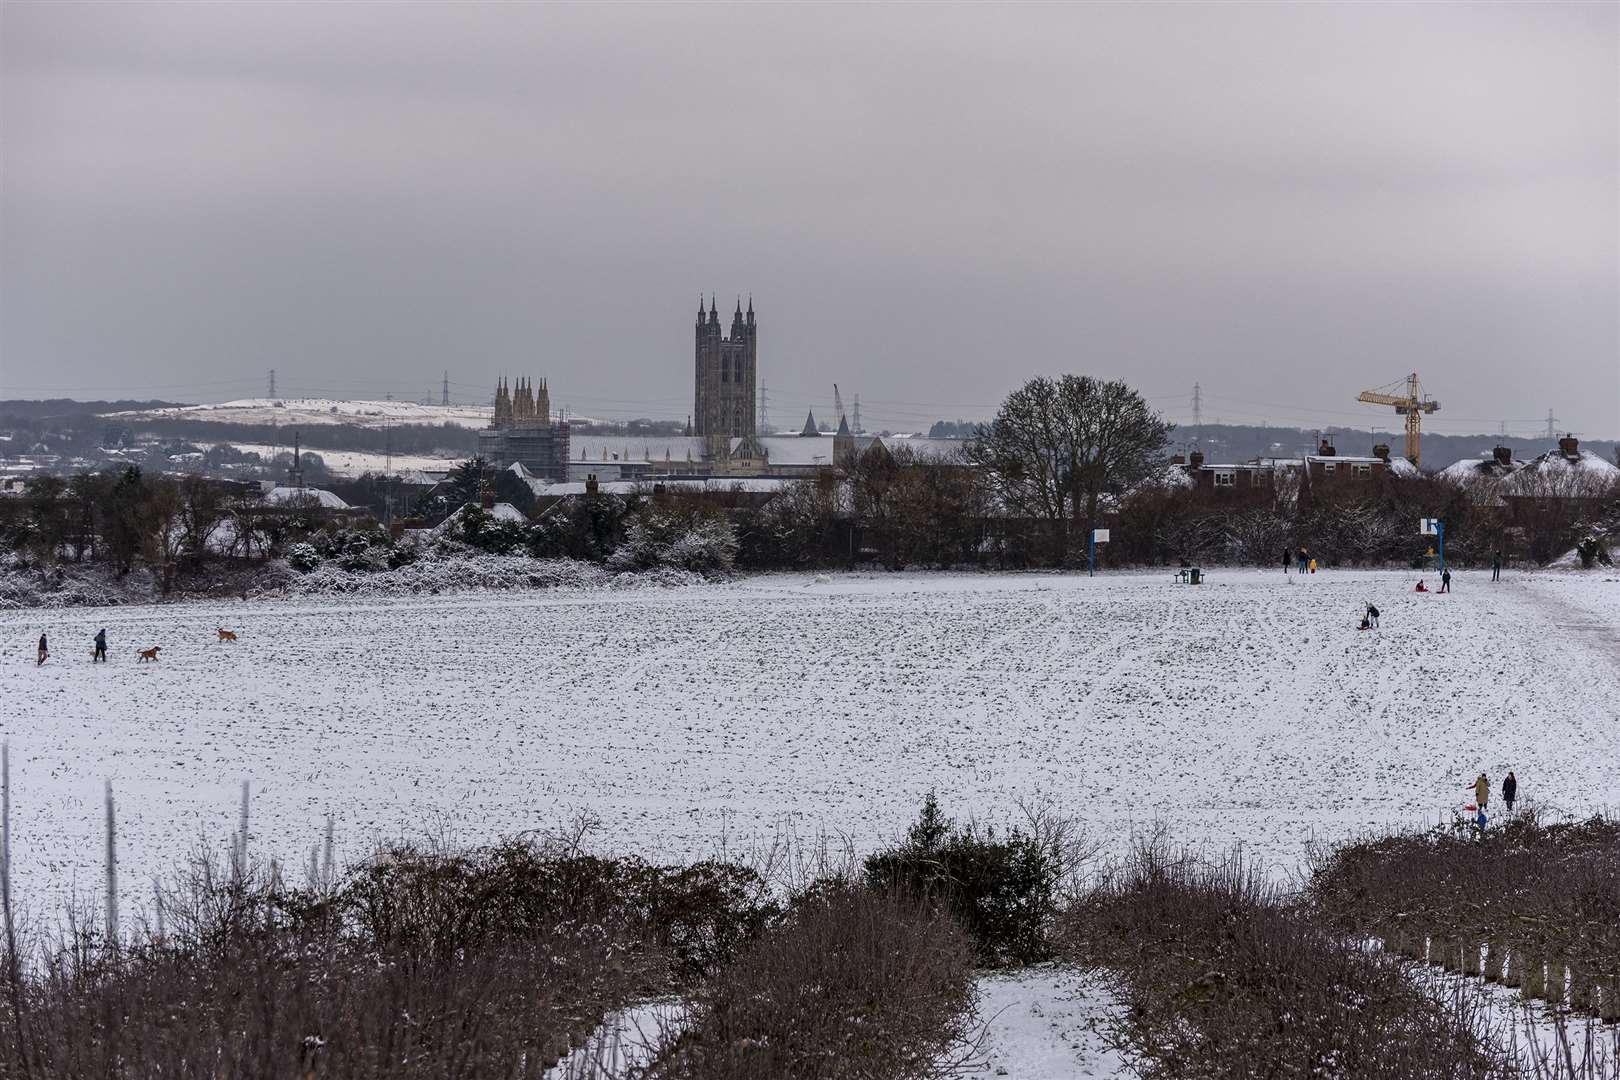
(725, 375)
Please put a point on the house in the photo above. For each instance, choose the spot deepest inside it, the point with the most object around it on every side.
(1247, 476)
(1328, 465)
(1567, 480)
(1485, 469)
(499, 511)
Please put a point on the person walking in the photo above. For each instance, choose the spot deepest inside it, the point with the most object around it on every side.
(1445, 581)
(1287, 558)
(1302, 557)
(101, 646)
(1482, 791)
(44, 651)
(1510, 790)
(1496, 566)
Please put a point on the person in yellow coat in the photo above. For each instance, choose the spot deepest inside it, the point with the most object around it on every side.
(1313, 566)
(1482, 790)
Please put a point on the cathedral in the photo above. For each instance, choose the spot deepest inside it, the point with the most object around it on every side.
(524, 407)
(523, 432)
(723, 406)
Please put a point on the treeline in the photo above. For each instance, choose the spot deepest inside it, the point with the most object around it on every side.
(1061, 458)
(127, 517)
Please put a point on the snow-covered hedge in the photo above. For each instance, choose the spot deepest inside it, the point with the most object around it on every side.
(24, 584)
(442, 572)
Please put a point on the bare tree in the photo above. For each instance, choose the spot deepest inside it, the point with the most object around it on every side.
(1057, 446)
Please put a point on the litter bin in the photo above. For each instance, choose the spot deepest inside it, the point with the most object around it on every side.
(1195, 576)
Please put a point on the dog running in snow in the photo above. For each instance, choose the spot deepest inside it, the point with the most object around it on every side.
(226, 635)
(148, 654)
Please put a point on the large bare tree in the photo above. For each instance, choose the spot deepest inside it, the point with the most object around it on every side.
(1056, 447)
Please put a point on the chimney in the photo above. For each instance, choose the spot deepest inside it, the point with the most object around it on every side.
(1503, 456)
(1569, 446)
(487, 500)
(1326, 449)
(1196, 459)
(1381, 452)
(1179, 459)
(591, 486)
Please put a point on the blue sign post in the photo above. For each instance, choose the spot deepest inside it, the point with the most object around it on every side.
(1098, 536)
(1436, 528)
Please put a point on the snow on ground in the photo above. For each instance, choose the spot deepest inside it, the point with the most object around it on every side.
(303, 411)
(624, 1041)
(354, 463)
(1046, 1023)
(1249, 711)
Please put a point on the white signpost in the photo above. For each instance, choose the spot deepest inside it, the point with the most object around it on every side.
(1098, 536)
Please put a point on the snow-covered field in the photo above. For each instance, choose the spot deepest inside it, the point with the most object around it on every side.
(1249, 710)
(354, 463)
(306, 411)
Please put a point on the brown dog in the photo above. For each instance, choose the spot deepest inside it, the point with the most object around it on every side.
(148, 654)
(227, 635)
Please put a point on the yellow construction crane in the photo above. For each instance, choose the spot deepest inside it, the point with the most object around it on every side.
(1412, 405)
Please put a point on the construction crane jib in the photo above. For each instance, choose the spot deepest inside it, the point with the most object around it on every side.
(1412, 405)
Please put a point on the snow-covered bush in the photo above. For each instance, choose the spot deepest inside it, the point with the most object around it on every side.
(1591, 550)
(443, 571)
(32, 584)
(303, 557)
(700, 544)
(479, 529)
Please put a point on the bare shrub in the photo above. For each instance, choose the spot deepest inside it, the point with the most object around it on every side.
(1221, 978)
(856, 983)
(1534, 893)
(416, 964)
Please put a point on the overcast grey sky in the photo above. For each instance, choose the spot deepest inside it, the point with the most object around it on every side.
(1286, 203)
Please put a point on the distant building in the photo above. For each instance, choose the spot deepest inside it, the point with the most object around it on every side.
(1566, 480)
(1486, 469)
(1326, 466)
(724, 374)
(523, 432)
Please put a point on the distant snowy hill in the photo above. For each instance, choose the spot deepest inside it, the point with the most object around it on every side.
(310, 411)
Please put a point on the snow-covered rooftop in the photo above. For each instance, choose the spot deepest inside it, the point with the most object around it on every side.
(290, 496)
(782, 449)
(1581, 469)
(501, 511)
(632, 487)
(1486, 467)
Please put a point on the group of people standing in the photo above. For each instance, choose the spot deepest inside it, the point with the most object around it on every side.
(1482, 795)
(1303, 557)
